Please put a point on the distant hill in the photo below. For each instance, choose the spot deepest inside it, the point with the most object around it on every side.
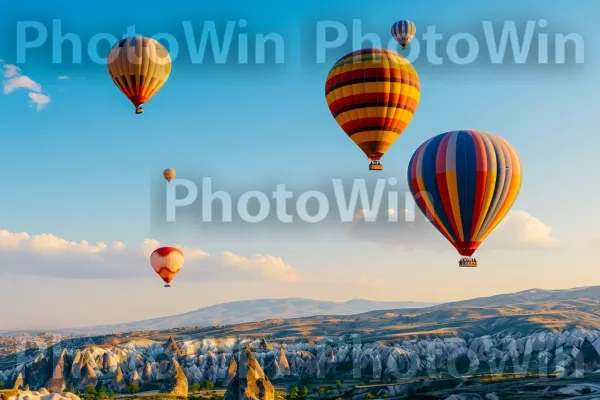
(248, 311)
(584, 299)
(531, 295)
(521, 313)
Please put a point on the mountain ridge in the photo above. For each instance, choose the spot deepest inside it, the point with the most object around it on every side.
(259, 310)
(236, 312)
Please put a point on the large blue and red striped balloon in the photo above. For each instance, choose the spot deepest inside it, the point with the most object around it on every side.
(465, 182)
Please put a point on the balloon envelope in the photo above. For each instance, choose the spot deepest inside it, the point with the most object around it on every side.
(139, 66)
(169, 174)
(465, 182)
(404, 31)
(167, 262)
(373, 94)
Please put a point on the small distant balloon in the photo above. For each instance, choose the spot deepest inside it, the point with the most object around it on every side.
(167, 262)
(139, 66)
(404, 31)
(169, 174)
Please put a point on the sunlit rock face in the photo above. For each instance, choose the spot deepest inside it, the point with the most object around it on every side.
(42, 394)
(564, 353)
(250, 383)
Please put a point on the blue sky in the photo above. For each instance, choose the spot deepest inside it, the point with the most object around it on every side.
(84, 167)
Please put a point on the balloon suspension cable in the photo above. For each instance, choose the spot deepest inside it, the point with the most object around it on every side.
(467, 262)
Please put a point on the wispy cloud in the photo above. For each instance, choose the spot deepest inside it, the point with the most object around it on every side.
(62, 77)
(50, 255)
(518, 230)
(38, 100)
(14, 79)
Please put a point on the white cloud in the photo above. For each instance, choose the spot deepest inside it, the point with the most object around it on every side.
(518, 230)
(10, 70)
(522, 230)
(45, 244)
(38, 100)
(21, 82)
(14, 80)
(50, 255)
(191, 253)
(267, 266)
(62, 77)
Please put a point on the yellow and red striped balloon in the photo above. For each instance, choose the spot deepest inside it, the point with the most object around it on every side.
(167, 262)
(373, 95)
(139, 66)
(169, 174)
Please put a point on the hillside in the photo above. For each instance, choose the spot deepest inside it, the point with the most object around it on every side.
(531, 295)
(244, 311)
(406, 324)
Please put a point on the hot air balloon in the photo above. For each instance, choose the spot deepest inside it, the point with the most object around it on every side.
(167, 262)
(373, 94)
(465, 182)
(404, 31)
(139, 66)
(169, 174)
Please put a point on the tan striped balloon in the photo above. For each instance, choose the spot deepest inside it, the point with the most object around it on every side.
(139, 66)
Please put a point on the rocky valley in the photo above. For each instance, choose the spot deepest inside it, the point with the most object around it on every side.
(386, 353)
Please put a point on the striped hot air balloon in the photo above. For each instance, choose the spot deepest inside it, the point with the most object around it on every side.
(373, 94)
(169, 174)
(404, 31)
(139, 66)
(167, 262)
(465, 182)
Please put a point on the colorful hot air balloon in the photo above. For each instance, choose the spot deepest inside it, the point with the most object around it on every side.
(373, 94)
(169, 174)
(404, 31)
(139, 66)
(465, 182)
(167, 262)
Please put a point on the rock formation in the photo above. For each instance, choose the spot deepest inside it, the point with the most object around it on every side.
(217, 360)
(37, 373)
(232, 371)
(41, 394)
(58, 379)
(118, 382)
(172, 349)
(279, 366)
(180, 381)
(250, 383)
(147, 373)
(19, 381)
(88, 378)
(264, 345)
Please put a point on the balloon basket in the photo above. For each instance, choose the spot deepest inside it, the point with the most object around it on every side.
(167, 285)
(467, 262)
(139, 110)
(375, 167)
